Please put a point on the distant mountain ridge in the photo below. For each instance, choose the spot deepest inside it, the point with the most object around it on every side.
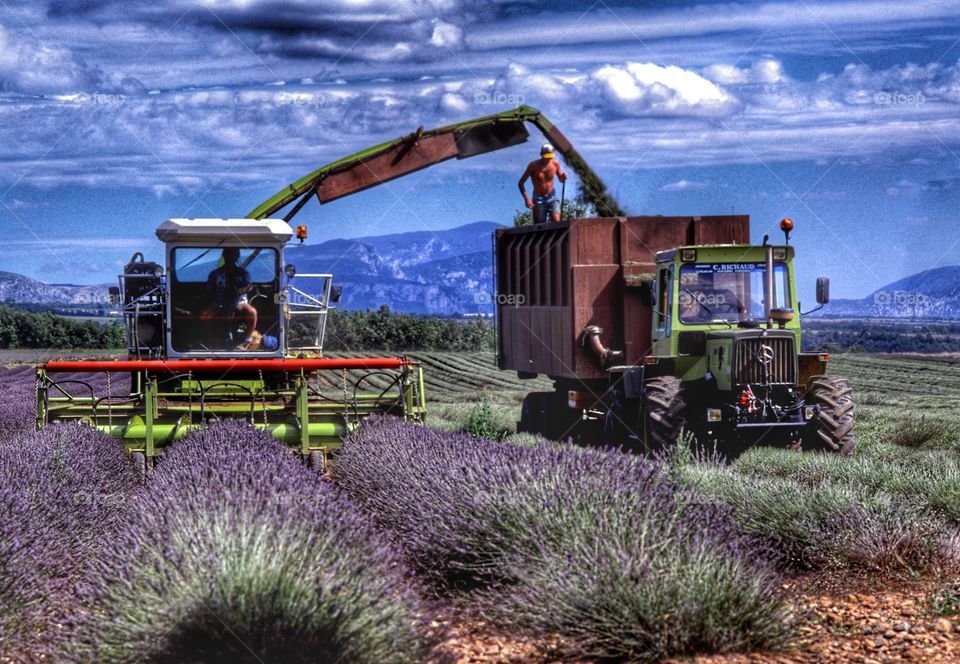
(450, 272)
(25, 290)
(429, 272)
(932, 294)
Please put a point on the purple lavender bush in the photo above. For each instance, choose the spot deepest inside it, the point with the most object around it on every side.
(600, 547)
(18, 403)
(60, 490)
(235, 552)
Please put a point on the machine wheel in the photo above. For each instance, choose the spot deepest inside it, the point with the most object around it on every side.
(535, 413)
(663, 417)
(834, 424)
(139, 462)
(546, 414)
(317, 461)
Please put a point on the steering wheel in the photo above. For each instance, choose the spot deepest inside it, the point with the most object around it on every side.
(255, 292)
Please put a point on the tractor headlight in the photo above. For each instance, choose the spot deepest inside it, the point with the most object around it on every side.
(779, 253)
(290, 271)
(158, 271)
(809, 412)
(714, 414)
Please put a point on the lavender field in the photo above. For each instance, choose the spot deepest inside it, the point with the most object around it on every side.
(235, 551)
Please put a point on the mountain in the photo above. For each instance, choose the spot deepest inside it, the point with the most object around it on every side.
(18, 288)
(932, 294)
(443, 272)
(450, 272)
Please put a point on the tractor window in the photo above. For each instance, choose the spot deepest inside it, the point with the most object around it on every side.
(662, 306)
(729, 291)
(224, 299)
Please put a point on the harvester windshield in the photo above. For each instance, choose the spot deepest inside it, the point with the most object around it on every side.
(729, 292)
(224, 298)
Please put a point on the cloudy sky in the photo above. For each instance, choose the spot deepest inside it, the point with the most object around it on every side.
(845, 116)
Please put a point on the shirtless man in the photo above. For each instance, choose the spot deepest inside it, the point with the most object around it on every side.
(541, 172)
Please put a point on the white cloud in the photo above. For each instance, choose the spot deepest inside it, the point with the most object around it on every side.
(766, 72)
(684, 185)
(445, 35)
(645, 88)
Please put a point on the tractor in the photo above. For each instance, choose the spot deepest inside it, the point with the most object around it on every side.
(652, 326)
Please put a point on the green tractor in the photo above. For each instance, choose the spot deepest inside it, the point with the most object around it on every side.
(650, 326)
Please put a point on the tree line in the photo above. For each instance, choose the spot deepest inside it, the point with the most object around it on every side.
(24, 329)
(380, 329)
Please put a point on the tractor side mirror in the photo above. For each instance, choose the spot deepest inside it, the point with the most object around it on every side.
(336, 292)
(823, 290)
(113, 294)
(646, 293)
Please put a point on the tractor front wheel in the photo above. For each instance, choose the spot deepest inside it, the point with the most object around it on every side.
(663, 412)
(833, 428)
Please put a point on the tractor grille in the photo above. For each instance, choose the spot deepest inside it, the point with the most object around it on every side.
(782, 368)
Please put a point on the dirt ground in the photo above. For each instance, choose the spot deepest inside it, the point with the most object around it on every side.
(864, 621)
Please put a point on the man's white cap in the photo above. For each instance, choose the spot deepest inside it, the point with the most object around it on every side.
(546, 150)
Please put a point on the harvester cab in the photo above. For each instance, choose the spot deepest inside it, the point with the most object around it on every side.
(227, 329)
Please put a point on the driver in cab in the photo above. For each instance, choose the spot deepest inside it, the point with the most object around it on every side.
(701, 301)
(228, 286)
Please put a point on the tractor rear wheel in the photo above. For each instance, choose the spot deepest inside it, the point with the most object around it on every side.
(834, 423)
(663, 412)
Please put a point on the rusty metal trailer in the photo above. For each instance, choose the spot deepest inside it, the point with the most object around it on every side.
(556, 280)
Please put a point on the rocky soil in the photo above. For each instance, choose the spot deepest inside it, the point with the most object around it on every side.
(867, 621)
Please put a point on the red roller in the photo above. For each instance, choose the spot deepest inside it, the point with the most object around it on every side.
(182, 366)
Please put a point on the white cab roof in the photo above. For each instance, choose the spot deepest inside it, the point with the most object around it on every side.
(217, 230)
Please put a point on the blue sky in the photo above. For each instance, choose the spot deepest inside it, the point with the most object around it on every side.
(844, 116)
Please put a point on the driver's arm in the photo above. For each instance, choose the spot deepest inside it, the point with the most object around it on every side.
(245, 284)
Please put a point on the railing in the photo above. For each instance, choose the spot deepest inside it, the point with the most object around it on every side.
(301, 304)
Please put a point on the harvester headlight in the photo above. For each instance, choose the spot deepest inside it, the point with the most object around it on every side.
(158, 271)
(779, 253)
(688, 255)
(809, 412)
(714, 414)
(290, 271)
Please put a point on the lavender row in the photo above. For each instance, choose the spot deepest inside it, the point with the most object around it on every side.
(61, 490)
(234, 551)
(600, 547)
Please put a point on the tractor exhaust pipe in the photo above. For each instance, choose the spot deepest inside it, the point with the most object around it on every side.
(591, 338)
(768, 293)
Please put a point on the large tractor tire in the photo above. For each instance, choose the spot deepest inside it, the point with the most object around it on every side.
(663, 412)
(834, 423)
(546, 414)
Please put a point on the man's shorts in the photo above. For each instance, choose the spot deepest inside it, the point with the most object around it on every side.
(544, 207)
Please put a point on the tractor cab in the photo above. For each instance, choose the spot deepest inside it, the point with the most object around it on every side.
(700, 289)
(227, 291)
